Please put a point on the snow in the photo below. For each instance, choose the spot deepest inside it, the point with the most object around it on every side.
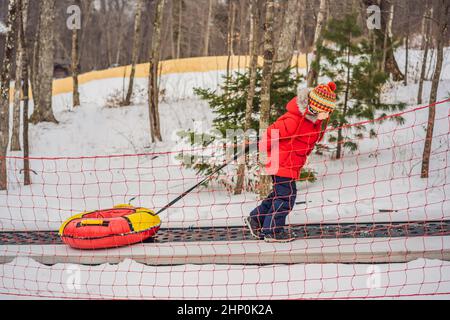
(25, 278)
(3, 28)
(415, 57)
(383, 174)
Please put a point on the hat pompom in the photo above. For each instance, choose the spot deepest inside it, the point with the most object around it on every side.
(332, 85)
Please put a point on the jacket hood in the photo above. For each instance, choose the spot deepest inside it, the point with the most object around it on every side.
(298, 106)
(302, 98)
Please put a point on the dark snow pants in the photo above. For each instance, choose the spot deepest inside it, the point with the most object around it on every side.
(273, 210)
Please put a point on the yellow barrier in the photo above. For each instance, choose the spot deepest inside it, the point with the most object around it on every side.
(199, 64)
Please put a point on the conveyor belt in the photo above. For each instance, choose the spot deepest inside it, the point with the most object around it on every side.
(239, 233)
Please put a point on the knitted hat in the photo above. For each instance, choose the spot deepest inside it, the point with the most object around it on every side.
(322, 98)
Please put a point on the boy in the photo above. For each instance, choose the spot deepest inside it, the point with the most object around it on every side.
(299, 129)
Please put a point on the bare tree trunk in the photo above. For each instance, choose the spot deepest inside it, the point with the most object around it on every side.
(428, 17)
(26, 148)
(264, 187)
(429, 71)
(314, 68)
(387, 33)
(302, 23)
(35, 61)
(253, 42)
(242, 27)
(188, 52)
(155, 129)
(43, 111)
(180, 15)
(407, 50)
(389, 63)
(5, 78)
(135, 53)
(88, 5)
(285, 48)
(171, 29)
(22, 18)
(230, 35)
(423, 27)
(105, 36)
(25, 89)
(75, 63)
(306, 44)
(75, 68)
(121, 33)
(232, 27)
(208, 28)
(300, 40)
(344, 112)
(443, 33)
(359, 9)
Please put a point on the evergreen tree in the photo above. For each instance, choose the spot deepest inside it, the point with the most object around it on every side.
(351, 62)
(230, 101)
(229, 104)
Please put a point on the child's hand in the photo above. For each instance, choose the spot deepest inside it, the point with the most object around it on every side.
(323, 115)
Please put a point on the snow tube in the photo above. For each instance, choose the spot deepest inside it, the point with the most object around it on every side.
(120, 226)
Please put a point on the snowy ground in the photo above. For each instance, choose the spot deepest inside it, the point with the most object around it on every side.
(382, 174)
(27, 279)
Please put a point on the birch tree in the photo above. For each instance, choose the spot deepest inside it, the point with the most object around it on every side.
(120, 9)
(43, 102)
(172, 20)
(407, 47)
(442, 24)
(4, 91)
(314, 69)
(178, 34)
(230, 34)
(22, 15)
(387, 32)
(105, 34)
(153, 93)
(207, 29)
(75, 62)
(389, 64)
(285, 48)
(426, 44)
(25, 89)
(136, 47)
(264, 186)
(35, 58)
(253, 44)
(384, 39)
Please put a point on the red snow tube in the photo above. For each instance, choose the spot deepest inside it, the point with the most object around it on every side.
(120, 226)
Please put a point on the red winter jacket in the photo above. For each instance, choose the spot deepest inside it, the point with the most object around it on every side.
(297, 138)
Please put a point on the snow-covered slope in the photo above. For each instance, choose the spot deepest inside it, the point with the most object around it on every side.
(382, 175)
(70, 177)
(420, 279)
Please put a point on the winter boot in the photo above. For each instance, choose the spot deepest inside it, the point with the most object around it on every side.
(280, 236)
(253, 226)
